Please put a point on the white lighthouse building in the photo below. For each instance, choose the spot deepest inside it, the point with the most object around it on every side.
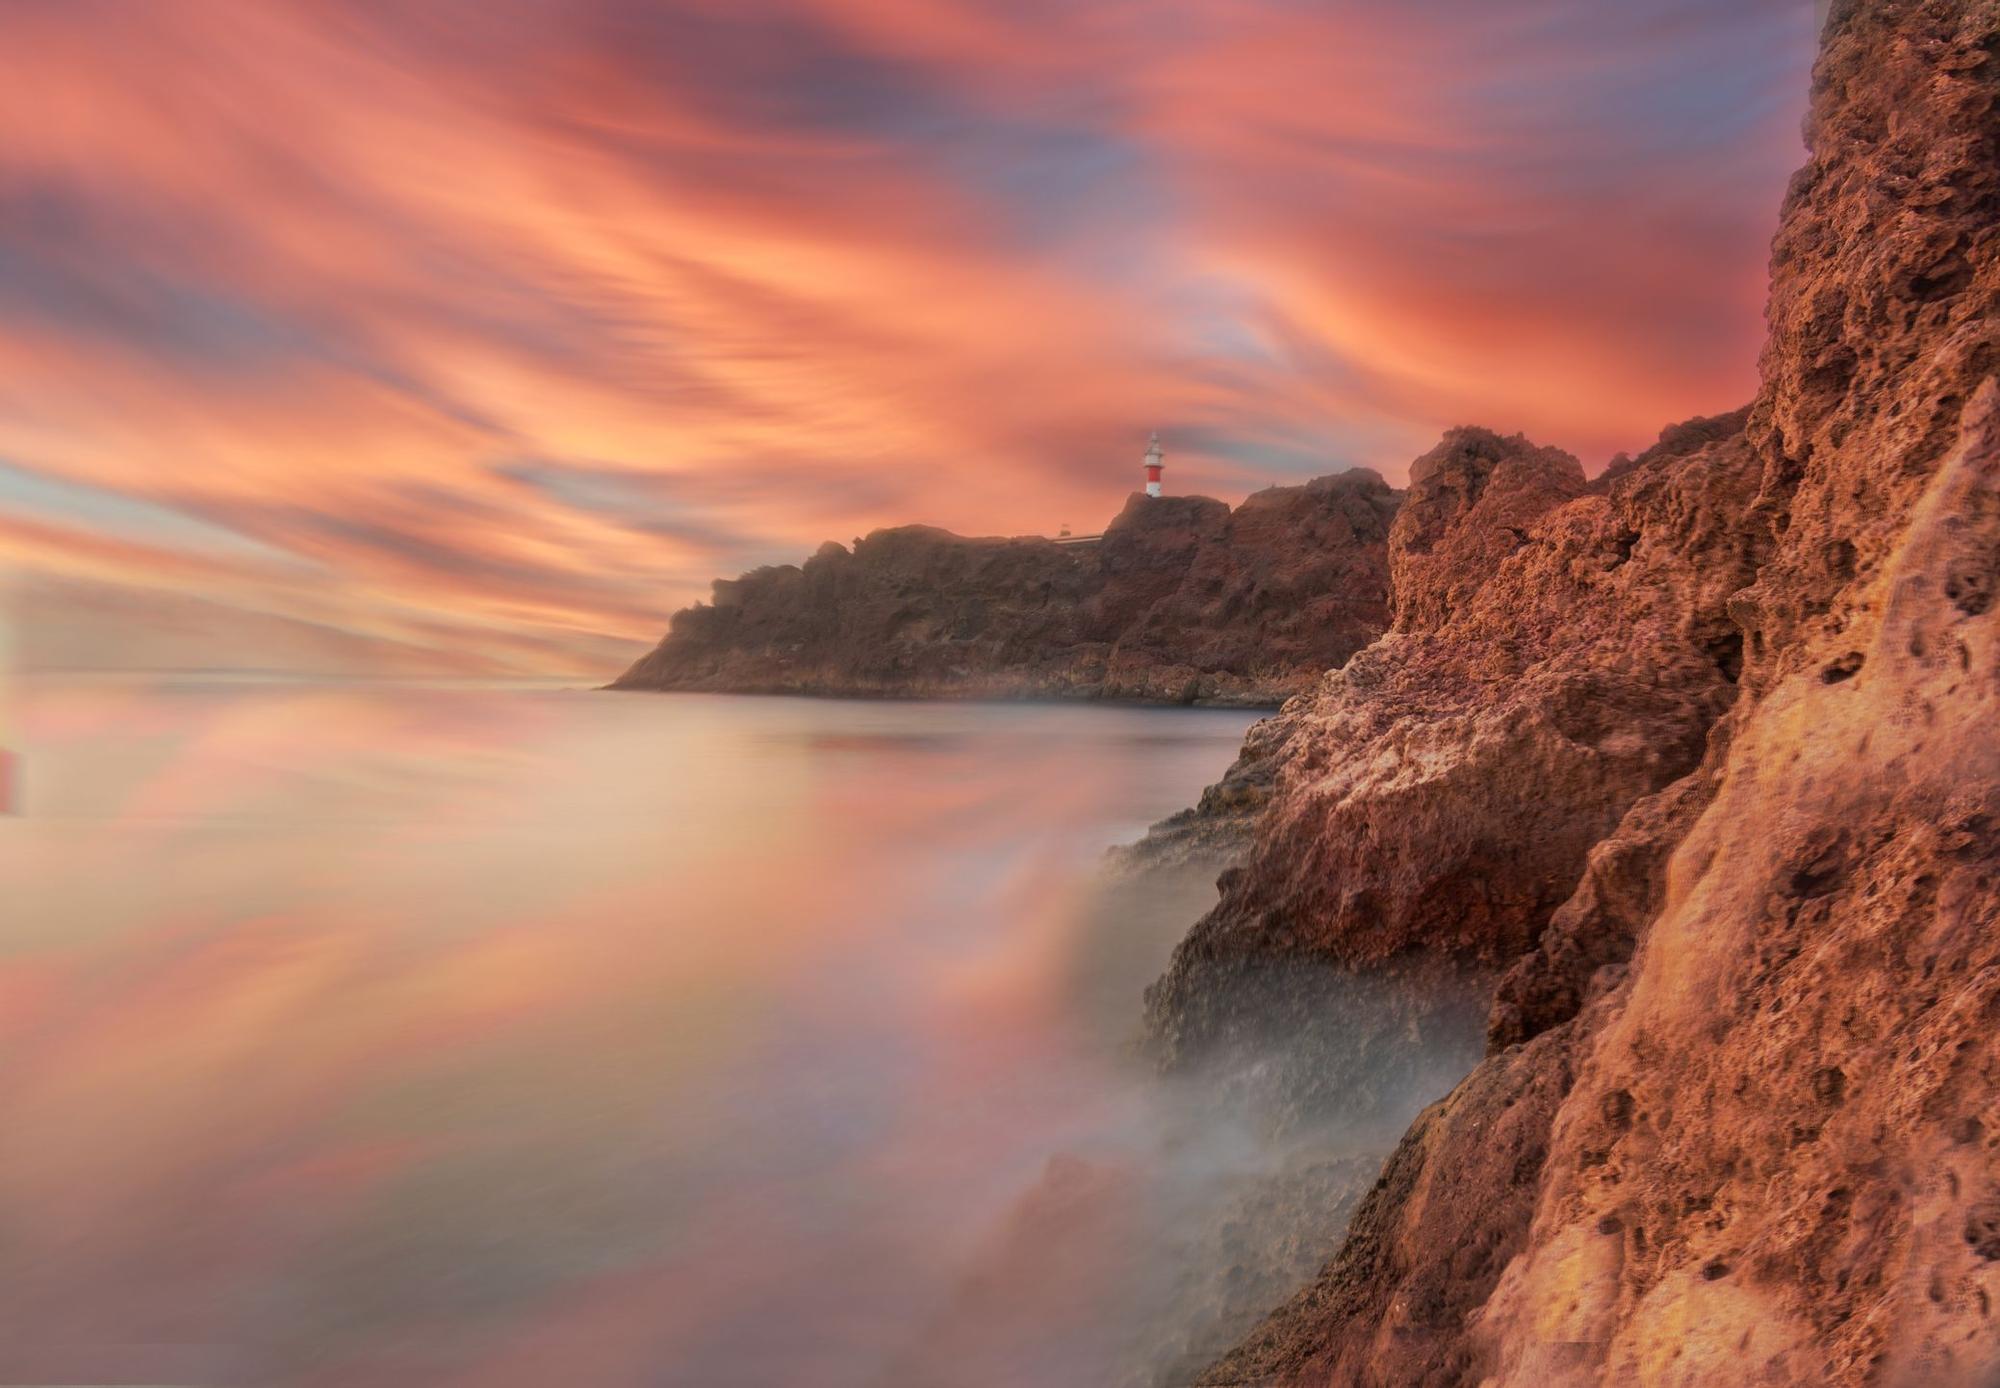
(1154, 456)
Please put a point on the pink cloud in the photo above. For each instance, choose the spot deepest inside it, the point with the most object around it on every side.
(317, 273)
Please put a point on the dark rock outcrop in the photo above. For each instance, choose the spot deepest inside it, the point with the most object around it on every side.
(1182, 601)
(1216, 831)
(1737, 1124)
(1556, 656)
(1426, 1246)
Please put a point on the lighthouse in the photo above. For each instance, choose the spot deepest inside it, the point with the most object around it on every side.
(1153, 465)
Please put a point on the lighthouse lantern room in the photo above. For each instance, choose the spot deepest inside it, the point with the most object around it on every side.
(1154, 455)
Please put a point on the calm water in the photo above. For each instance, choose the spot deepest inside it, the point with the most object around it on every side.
(357, 1035)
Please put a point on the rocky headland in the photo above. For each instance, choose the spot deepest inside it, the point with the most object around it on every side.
(1183, 600)
(1669, 804)
(1626, 864)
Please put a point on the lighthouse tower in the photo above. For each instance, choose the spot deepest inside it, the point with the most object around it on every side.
(1153, 464)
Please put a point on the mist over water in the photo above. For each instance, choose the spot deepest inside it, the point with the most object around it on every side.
(393, 1034)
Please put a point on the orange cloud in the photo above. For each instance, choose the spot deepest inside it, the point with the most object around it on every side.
(504, 330)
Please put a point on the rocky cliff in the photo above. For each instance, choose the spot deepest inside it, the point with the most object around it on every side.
(1183, 600)
(1556, 654)
(1701, 764)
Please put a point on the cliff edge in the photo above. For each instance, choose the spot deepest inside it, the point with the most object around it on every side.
(1702, 764)
(1183, 600)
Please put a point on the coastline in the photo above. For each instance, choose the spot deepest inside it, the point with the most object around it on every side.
(1264, 703)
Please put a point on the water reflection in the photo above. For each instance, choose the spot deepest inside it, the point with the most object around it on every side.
(357, 1035)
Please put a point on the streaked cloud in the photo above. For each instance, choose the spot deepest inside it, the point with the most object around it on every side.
(514, 323)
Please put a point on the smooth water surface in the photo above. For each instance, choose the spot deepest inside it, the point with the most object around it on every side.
(446, 1035)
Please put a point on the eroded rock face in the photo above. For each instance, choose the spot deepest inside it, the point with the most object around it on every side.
(1427, 1244)
(1785, 1118)
(1737, 1125)
(1884, 283)
(1471, 503)
(1556, 656)
(1183, 601)
(1454, 1206)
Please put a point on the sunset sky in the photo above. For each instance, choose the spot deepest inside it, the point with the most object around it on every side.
(480, 334)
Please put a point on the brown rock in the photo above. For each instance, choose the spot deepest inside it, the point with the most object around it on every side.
(1884, 288)
(1216, 831)
(1767, 1016)
(1471, 503)
(1182, 601)
(1435, 800)
(1807, 1026)
(1427, 1244)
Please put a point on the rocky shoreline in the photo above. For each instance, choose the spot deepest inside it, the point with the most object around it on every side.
(1667, 802)
(1683, 788)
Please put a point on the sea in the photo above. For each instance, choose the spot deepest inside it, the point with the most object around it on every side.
(361, 1033)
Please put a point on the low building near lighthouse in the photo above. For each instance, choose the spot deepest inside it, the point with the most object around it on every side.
(1155, 464)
